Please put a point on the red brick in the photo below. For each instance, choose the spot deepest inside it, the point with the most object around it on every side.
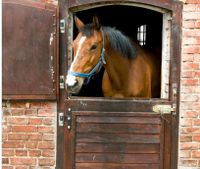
(48, 153)
(10, 144)
(188, 24)
(17, 120)
(32, 145)
(197, 24)
(35, 137)
(7, 167)
(35, 121)
(23, 161)
(46, 145)
(185, 138)
(185, 154)
(46, 162)
(196, 122)
(51, 105)
(189, 146)
(22, 167)
(189, 130)
(48, 137)
(188, 58)
(44, 129)
(186, 122)
(192, 7)
(190, 33)
(17, 136)
(5, 161)
(31, 112)
(188, 74)
(189, 97)
(196, 137)
(24, 129)
(187, 89)
(4, 136)
(46, 112)
(196, 154)
(20, 152)
(189, 114)
(48, 121)
(188, 162)
(196, 57)
(191, 41)
(18, 111)
(17, 104)
(6, 111)
(6, 152)
(34, 153)
(191, 15)
(190, 81)
(197, 74)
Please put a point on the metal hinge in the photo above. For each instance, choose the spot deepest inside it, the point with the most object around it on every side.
(62, 26)
(62, 82)
(164, 109)
(62, 119)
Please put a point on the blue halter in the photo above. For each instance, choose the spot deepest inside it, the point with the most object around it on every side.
(96, 68)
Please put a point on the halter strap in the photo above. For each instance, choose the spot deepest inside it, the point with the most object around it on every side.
(96, 68)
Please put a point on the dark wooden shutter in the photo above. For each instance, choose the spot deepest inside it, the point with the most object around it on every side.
(30, 55)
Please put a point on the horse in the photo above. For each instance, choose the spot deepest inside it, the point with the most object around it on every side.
(130, 71)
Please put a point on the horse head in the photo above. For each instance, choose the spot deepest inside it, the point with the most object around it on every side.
(88, 51)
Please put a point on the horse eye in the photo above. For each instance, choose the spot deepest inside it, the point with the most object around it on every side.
(93, 47)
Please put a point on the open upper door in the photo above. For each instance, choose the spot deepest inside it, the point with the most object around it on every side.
(30, 55)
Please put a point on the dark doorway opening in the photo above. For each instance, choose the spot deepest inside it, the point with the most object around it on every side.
(140, 24)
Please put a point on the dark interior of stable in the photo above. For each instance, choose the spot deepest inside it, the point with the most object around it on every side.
(128, 19)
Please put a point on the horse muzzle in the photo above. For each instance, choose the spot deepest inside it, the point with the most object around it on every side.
(73, 84)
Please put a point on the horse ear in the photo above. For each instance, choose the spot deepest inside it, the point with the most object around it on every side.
(96, 23)
(79, 23)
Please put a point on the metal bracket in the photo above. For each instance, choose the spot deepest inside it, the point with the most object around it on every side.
(62, 82)
(62, 26)
(68, 119)
(65, 119)
(61, 119)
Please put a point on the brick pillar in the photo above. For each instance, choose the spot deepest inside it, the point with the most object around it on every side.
(189, 144)
(29, 135)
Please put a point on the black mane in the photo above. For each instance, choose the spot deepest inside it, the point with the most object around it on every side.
(118, 40)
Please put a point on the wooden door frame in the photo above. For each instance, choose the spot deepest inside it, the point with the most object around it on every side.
(175, 46)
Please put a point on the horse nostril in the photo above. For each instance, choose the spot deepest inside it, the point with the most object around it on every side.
(72, 85)
(76, 82)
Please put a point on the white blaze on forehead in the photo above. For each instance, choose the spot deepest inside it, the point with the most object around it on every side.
(71, 80)
(80, 43)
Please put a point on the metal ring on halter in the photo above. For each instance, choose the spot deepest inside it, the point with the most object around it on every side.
(96, 68)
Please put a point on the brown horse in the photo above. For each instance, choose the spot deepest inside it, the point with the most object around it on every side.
(129, 70)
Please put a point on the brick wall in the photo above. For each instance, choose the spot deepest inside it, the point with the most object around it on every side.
(29, 135)
(189, 146)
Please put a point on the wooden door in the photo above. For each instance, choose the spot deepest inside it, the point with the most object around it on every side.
(116, 134)
(100, 133)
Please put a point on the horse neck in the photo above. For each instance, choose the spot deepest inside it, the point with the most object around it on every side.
(117, 68)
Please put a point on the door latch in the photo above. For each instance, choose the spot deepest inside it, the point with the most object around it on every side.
(164, 109)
